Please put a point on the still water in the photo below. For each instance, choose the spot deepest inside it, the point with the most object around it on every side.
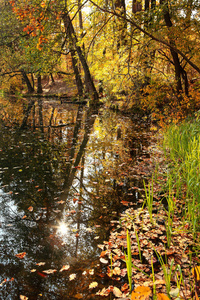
(64, 177)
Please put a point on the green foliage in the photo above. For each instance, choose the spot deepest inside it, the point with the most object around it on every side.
(182, 146)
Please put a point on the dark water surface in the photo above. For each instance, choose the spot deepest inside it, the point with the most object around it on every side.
(62, 180)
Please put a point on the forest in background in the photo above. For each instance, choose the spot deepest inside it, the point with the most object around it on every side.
(143, 53)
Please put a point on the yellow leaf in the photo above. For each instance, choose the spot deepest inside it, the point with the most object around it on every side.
(93, 285)
(50, 271)
(72, 276)
(65, 268)
(23, 297)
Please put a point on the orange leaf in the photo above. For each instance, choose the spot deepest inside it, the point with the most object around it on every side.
(141, 293)
(162, 296)
(21, 255)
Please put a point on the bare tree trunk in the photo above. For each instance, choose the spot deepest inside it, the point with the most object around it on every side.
(39, 84)
(122, 28)
(176, 61)
(28, 83)
(79, 83)
(72, 35)
(136, 6)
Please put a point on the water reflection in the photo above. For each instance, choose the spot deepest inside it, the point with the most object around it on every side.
(62, 181)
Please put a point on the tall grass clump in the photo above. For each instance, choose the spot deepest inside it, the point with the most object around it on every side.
(182, 147)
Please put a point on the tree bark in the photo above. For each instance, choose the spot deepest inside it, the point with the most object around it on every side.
(72, 35)
(27, 81)
(39, 84)
(176, 61)
(79, 83)
(122, 24)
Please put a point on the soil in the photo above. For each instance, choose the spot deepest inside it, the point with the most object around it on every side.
(60, 86)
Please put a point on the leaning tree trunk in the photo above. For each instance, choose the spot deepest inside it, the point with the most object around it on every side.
(72, 35)
(79, 83)
(27, 81)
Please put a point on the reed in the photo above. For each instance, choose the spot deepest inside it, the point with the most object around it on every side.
(182, 148)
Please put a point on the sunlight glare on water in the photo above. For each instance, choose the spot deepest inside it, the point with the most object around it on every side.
(63, 228)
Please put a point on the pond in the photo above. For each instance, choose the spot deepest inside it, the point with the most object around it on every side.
(64, 180)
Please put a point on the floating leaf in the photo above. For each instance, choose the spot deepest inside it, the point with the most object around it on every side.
(93, 285)
(103, 261)
(21, 255)
(30, 208)
(60, 202)
(72, 276)
(65, 268)
(40, 264)
(4, 281)
(33, 270)
(21, 297)
(50, 271)
(41, 274)
(91, 271)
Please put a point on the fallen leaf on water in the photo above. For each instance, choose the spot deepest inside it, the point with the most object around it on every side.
(40, 264)
(12, 279)
(93, 285)
(50, 271)
(30, 208)
(60, 202)
(21, 255)
(117, 292)
(65, 268)
(33, 270)
(3, 282)
(24, 217)
(72, 276)
(41, 274)
(23, 297)
(103, 261)
(91, 271)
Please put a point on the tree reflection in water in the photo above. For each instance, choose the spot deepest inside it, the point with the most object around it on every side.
(61, 186)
